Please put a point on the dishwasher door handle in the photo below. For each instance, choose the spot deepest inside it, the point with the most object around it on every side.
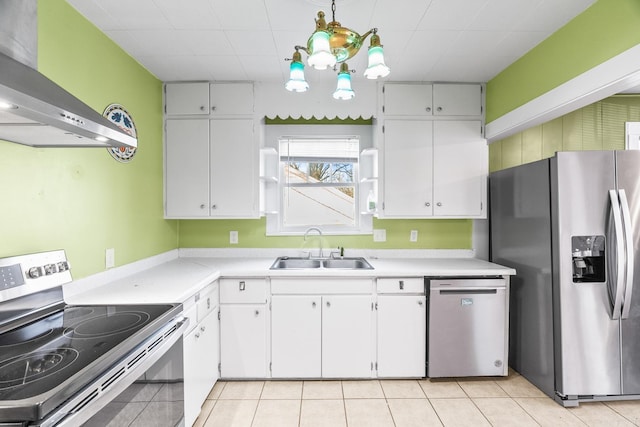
(468, 291)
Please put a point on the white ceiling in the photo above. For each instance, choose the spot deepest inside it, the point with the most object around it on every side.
(424, 40)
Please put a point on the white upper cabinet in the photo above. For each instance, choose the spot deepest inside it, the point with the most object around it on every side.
(407, 99)
(457, 100)
(211, 154)
(187, 98)
(460, 169)
(231, 99)
(408, 162)
(434, 168)
(438, 99)
(187, 168)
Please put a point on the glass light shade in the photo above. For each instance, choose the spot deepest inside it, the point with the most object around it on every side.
(343, 90)
(296, 82)
(377, 67)
(321, 57)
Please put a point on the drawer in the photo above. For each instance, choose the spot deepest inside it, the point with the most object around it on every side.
(401, 285)
(330, 285)
(192, 315)
(240, 291)
(207, 303)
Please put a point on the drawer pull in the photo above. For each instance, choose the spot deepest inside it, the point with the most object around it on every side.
(242, 285)
(208, 303)
(313, 304)
(328, 304)
(257, 313)
(401, 284)
(202, 328)
(197, 335)
(420, 303)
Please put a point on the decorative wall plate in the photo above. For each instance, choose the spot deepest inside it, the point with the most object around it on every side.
(116, 114)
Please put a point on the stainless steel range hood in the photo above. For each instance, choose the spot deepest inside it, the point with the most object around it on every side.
(36, 111)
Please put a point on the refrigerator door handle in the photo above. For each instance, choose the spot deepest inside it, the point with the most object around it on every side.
(619, 256)
(628, 237)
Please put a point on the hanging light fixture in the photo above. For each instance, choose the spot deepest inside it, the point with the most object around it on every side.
(332, 44)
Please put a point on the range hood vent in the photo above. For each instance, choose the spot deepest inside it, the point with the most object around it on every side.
(34, 110)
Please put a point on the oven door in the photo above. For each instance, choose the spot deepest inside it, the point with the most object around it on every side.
(145, 388)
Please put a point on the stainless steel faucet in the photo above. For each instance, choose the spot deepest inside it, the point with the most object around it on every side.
(320, 255)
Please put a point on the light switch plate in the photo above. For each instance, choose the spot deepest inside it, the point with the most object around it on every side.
(110, 258)
(380, 235)
(233, 237)
(413, 236)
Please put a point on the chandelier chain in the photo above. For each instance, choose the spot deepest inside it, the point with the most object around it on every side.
(333, 10)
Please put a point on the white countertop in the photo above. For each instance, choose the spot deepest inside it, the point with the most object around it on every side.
(174, 280)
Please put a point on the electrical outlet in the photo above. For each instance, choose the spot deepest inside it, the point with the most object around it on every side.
(110, 258)
(413, 236)
(233, 237)
(380, 235)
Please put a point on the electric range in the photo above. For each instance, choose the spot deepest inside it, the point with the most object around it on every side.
(60, 364)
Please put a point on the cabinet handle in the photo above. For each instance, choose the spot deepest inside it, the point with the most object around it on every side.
(213, 108)
(197, 335)
(242, 285)
(202, 108)
(328, 304)
(214, 207)
(202, 206)
(313, 304)
(257, 313)
(202, 328)
(428, 109)
(439, 109)
(420, 303)
(439, 204)
(401, 284)
(208, 303)
(427, 204)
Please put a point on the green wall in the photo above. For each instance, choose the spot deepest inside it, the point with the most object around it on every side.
(604, 30)
(81, 199)
(599, 126)
(432, 234)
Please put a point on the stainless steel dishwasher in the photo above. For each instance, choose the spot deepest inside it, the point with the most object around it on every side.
(467, 327)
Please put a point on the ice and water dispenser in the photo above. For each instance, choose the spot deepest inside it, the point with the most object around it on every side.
(588, 258)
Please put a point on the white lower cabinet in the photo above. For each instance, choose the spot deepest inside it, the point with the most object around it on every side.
(201, 349)
(347, 341)
(200, 365)
(243, 340)
(296, 333)
(321, 336)
(401, 336)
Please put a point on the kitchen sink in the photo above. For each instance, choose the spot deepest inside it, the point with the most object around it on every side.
(292, 263)
(347, 263)
(285, 263)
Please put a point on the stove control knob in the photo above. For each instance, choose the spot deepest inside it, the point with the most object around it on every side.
(35, 272)
(50, 269)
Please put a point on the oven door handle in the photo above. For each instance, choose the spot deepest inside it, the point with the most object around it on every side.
(82, 406)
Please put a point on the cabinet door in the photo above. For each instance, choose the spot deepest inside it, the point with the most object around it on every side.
(243, 341)
(457, 100)
(347, 336)
(187, 98)
(407, 99)
(408, 163)
(187, 168)
(459, 169)
(295, 336)
(402, 335)
(200, 365)
(234, 179)
(231, 99)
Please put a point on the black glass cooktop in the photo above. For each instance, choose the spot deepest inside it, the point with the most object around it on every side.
(42, 355)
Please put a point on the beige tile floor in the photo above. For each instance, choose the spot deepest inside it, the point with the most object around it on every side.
(510, 401)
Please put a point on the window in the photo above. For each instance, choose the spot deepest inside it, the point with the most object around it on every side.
(318, 186)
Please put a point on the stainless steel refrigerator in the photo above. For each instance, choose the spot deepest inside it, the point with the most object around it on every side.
(570, 226)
